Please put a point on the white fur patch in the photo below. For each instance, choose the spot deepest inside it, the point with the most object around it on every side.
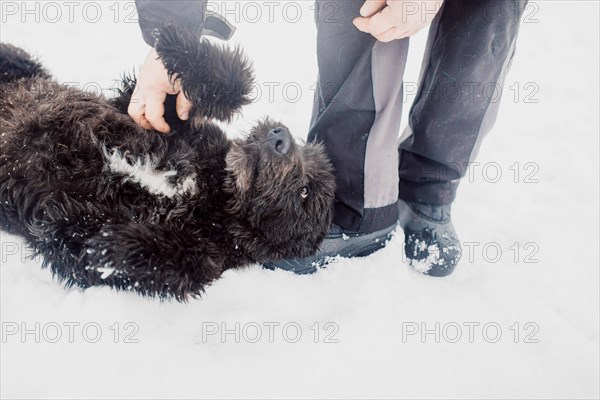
(144, 173)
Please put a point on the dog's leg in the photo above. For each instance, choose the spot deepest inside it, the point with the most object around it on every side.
(58, 231)
(17, 203)
(218, 80)
(165, 261)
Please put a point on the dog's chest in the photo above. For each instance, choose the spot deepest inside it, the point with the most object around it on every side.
(147, 173)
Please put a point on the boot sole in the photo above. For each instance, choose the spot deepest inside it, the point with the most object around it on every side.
(367, 245)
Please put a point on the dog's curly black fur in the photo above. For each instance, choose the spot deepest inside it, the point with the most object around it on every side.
(68, 185)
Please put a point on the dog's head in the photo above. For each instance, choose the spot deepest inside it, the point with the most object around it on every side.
(282, 193)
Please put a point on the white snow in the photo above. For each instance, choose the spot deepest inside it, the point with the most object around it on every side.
(106, 272)
(427, 263)
(518, 319)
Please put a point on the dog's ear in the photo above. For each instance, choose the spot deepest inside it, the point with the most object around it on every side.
(218, 80)
(240, 167)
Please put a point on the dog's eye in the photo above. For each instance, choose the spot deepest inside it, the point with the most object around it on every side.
(304, 192)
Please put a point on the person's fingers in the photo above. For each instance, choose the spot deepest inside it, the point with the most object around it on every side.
(390, 34)
(155, 110)
(377, 24)
(382, 21)
(362, 24)
(371, 7)
(175, 84)
(184, 106)
(136, 110)
(135, 104)
(143, 122)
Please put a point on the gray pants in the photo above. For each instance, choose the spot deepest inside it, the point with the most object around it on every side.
(358, 105)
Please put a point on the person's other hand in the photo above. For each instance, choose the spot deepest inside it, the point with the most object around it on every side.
(147, 102)
(396, 19)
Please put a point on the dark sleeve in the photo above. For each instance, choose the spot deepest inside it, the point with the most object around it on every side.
(152, 14)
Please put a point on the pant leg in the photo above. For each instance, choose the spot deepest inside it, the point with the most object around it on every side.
(358, 104)
(470, 47)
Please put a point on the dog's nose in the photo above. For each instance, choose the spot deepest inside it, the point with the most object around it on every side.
(280, 140)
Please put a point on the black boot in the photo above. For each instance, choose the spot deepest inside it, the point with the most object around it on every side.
(337, 243)
(430, 241)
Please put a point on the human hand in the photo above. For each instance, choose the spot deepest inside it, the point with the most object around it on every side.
(147, 102)
(396, 19)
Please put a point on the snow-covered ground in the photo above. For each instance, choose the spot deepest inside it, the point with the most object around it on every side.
(519, 318)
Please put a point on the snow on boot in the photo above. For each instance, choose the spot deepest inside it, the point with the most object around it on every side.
(430, 241)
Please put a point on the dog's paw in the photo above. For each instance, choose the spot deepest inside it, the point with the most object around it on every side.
(216, 78)
(151, 260)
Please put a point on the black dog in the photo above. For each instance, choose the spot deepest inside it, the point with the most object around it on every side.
(107, 203)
